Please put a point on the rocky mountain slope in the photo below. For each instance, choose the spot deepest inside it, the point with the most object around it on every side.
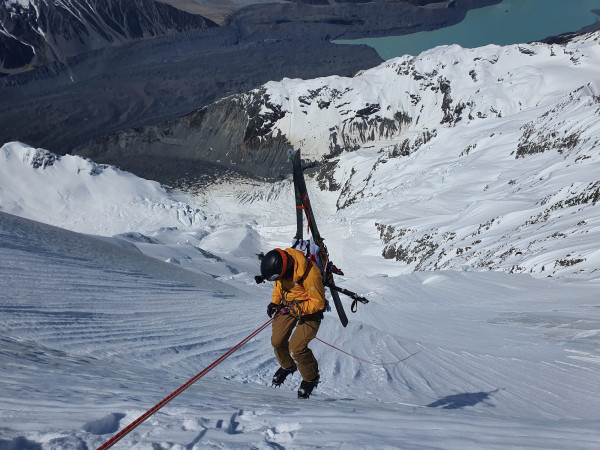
(408, 98)
(480, 158)
(112, 87)
(37, 32)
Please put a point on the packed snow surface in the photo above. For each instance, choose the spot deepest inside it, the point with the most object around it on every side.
(94, 334)
(114, 292)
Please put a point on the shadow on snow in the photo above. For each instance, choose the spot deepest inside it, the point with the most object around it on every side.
(458, 401)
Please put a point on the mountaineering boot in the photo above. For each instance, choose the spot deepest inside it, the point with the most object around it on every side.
(306, 387)
(282, 374)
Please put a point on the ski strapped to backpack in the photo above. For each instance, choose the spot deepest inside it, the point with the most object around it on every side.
(315, 248)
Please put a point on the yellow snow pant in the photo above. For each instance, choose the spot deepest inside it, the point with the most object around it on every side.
(294, 350)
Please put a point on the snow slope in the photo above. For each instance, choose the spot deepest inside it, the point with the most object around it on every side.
(80, 195)
(451, 234)
(486, 157)
(94, 334)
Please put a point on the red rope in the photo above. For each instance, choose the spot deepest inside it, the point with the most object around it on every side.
(117, 437)
(364, 360)
(125, 431)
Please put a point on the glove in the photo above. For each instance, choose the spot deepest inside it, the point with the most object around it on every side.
(272, 309)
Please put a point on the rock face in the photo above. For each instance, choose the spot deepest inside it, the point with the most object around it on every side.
(233, 134)
(37, 32)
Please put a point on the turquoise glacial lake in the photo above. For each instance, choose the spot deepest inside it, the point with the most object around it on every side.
(509, 22)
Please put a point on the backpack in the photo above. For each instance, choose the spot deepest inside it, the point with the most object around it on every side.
(313, 253)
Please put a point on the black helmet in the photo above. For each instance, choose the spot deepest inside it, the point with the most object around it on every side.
(274, 264)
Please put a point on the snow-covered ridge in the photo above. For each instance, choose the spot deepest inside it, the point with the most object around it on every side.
(482, 159)
(512, 195)
(93, 334)
(442, 87)
(80, 195)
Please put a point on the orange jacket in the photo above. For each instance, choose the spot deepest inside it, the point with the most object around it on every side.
(309, 294)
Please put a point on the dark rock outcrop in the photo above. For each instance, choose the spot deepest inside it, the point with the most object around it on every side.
(227, 135)
(48, 30)
(350, 19)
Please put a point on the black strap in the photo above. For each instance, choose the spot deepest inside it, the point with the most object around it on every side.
(303, 277)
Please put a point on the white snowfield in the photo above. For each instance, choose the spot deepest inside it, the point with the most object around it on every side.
(114, 291)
